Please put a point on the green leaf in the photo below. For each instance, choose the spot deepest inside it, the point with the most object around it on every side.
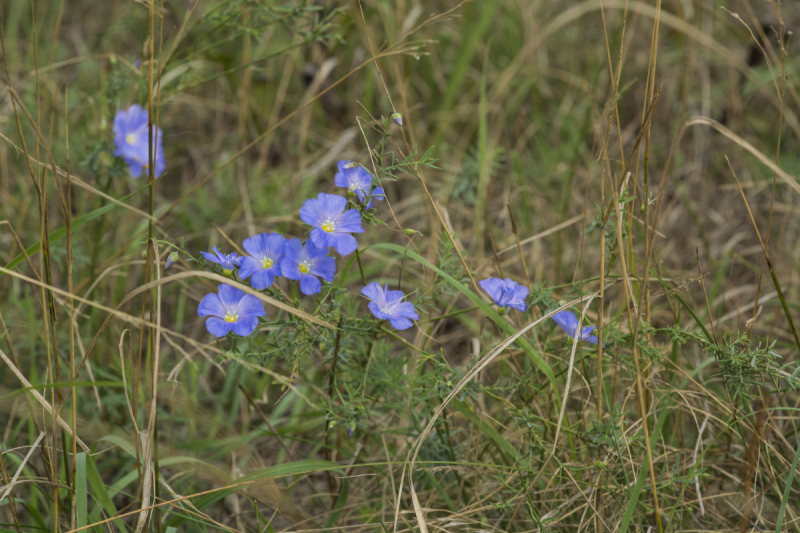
(81, 494)
(633, 499)
(787, 490)
(101, 495)
(336, 512)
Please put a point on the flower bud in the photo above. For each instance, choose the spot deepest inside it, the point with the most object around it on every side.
(171, 260)
(397, 118)
(349, 432)
(409, 231)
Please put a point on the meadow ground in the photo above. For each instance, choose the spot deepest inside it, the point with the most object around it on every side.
(631, 166)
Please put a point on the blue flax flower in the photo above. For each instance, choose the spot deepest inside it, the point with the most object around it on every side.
(332, 224)
(231, 309)
(131, 140)
(227, 261)
(506, 293)
(569, 323)
(264, 261)
(306, 264)
(389, 305)
(358, 181)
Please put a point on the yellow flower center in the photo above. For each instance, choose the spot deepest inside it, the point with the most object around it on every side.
(266, 262)
(353, 187)
(305, 267)
(328, 226)
(231, 316)
(130, 138)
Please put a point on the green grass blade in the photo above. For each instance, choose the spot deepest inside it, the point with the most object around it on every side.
(633, 500)
(101, 495)
(336, 512)
(273, 472)
(81, 492)
(787, 490)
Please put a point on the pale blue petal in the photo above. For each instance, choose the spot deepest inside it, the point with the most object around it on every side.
(218, 327)
(211, 305)
(345, 244)
(245, 325)
(309, 284)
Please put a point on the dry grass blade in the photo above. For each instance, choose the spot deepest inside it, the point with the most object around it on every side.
(13, 481)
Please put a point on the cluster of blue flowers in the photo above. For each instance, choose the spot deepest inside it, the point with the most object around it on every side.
(508, 294)
(272, 255)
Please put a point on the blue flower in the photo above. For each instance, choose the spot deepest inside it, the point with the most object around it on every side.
(233, 310)
(131, 140)
(306, 264)
(506, 293)
(389, 305)
(358, 181)
(569, 323)
(332, 224)
(264, 261)
(227, 261)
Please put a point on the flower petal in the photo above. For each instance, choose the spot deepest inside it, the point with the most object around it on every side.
(211, 305)
(406, 309)
(400, 323)
(349, 222)
(345, 243)
(322, 239)
(262, 279)
(492, 286)
(331, 204)
(230, 296)
(210, 257)
(311, 213)
(249, 266)
(255, 245)
(293, 249)
(274, 245)
(567, 321)
(218, 327)
(309, 284)
(374, 292)
(249, 306)
(245, 326)
(324, 267)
